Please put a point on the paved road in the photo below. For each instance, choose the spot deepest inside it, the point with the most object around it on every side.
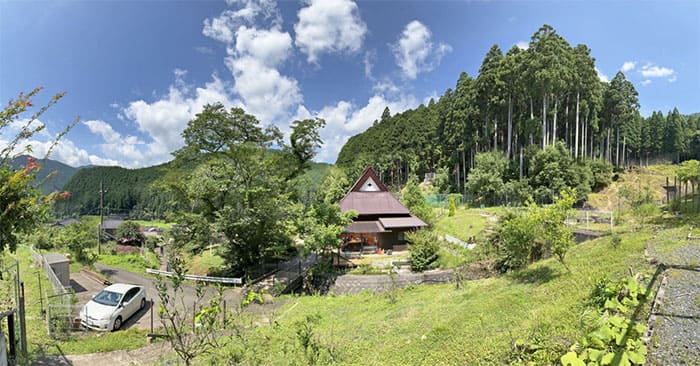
(142, 319)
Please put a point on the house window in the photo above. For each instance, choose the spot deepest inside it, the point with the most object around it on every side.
(401, 235)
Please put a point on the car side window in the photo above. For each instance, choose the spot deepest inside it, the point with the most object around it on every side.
(130, 294)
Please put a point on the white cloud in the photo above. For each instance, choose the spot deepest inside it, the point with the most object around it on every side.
(222, 28)
(602, 76)
(523, 45)
(415, 52)
(370, 57)
(672, 78)
(628, 65)
(164, 120)
(329, 26)
(270, 47)
(646, 82)
(103, 129)
(653, 71)
(253, 56)
(344, 119)
(265, 92)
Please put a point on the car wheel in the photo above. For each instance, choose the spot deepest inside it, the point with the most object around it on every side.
(117, 323)
(143, 304)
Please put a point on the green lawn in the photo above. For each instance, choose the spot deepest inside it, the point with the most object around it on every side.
(463, 225)
(38, 340)
(439, 325)
(155, 223)
(132, 262)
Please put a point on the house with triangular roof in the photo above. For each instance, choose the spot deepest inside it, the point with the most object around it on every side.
(382, 220)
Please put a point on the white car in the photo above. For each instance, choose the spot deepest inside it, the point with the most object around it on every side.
(112, 306)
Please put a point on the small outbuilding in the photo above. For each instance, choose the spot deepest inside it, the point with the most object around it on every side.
(60, 266)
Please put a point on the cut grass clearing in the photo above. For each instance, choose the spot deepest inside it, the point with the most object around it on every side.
(465, 224)
(132, 262)
(439, 325)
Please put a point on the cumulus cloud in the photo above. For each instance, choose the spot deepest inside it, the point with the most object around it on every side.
(222, 28)
(345, 119)
(602, 76)
(265, 92)
(646, 82)
(628, 66)
(327, 26)
(653, 71)
(253, 56)
(523, 45)
(164, 119)
(124, 147)
(415, 51)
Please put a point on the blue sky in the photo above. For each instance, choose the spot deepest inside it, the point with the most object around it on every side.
(137, 71)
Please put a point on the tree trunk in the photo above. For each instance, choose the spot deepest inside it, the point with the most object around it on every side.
(554, 124)
(608, 156)
(567, 137)
(624, 150)
(617, 146)
(576, 136)
(495, 134)
(510, 124)
(544, 121)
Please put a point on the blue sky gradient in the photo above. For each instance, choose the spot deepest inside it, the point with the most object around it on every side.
(136, 72)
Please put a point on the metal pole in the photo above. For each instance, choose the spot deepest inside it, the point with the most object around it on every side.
(22, 323)
(151, 316)
(11, 333)
(41, 294)
(99, 230)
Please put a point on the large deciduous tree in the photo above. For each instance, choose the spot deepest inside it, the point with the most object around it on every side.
(236, 185)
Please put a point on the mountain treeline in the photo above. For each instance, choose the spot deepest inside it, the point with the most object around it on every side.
(128, 192)
(532, 98)
(52, 175)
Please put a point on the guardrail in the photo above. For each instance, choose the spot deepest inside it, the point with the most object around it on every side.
(229, 280)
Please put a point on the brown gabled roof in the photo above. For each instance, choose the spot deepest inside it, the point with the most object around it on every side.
(373, 203)
(367, 173)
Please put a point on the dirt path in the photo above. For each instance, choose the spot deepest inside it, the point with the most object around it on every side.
(676, 317)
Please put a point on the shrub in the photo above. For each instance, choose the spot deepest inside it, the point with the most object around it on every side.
(452, 206)
(423, 249)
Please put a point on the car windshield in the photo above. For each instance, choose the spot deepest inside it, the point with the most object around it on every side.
(107, 298)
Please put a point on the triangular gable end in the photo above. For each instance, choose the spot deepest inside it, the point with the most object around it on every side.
(369, 182)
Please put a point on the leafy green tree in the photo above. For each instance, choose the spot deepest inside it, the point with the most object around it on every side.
(79, 238)
(487, 177)
(515, 239)
(322, 226)
(335, 185)
(451, 206)
(423, 250)
(240, 184)
(22, 207)
(550, 222)
(130, 232)
(412, 197)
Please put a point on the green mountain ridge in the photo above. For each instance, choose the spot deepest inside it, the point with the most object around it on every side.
(52, 175)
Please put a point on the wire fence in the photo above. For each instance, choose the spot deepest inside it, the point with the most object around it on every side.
(61, 311)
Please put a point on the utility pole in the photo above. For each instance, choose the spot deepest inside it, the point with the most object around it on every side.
(99, 230)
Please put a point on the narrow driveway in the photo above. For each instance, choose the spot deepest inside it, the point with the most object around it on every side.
(142, 319)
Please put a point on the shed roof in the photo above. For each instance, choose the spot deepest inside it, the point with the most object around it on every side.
(401, 222)
(112, 223)
(52, 258)
(373, 203)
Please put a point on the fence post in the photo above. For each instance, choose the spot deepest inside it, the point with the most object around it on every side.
(22, 323)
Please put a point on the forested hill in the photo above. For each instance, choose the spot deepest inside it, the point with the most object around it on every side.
(126, 191)
(523, 100)
(132, 192)
(52, 176)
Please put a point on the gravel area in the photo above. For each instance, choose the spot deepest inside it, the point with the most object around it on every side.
(676, 328)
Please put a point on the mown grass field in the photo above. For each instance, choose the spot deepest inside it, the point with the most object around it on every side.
(653, 177)
(440, 325)
(463, 225)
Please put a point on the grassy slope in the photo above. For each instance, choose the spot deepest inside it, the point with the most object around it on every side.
(653, 176)
(475, 325)
(463, 225)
